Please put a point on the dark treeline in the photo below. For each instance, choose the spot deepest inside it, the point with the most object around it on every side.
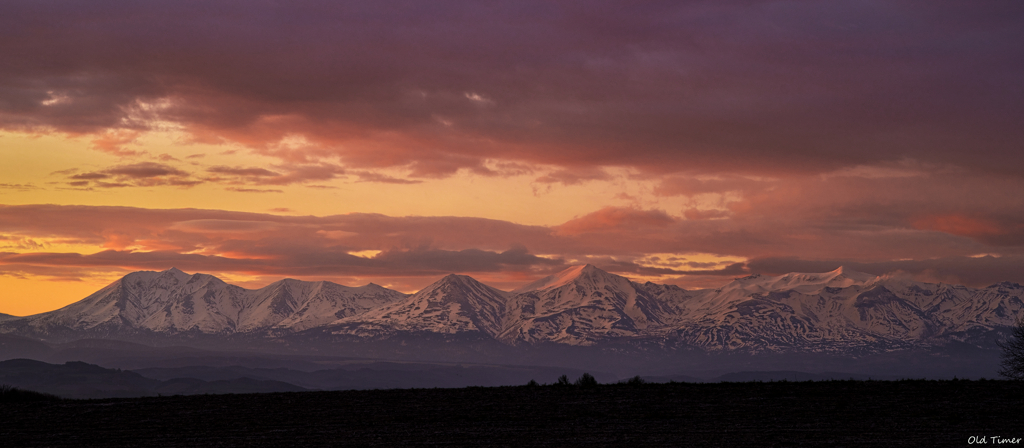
(580, 413)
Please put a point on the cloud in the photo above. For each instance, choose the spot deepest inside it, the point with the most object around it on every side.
(614, 219)
(690, 186)
(365, 176)
(236, 178)
(254, 190)
(425, 260)
(573, 177)
(19, 187)
(263, 244)
(144, 170)
(755, 88)
(415, 247)
(113, 141)
(286, 174)
(698, 215)
(994, 230)
(142, 174)
(240, 171)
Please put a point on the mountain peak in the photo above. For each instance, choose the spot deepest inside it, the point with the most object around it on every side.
(844, 272)
(564, 277)
(839, 277)
(456, 279)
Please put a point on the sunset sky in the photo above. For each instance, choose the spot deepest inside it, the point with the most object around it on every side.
(395, 142)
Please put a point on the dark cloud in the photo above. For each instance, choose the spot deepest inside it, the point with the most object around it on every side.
(365, 176)
(242, 179)
(573, 177)
(669, 87)
(144, 170)
(432, 261)
(19, 187)
(142, 174)
(241, 171)
(254, 190)
(89, 176)
(286, 174)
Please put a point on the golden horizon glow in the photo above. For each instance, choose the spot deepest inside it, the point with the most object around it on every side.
(38, 166)
(515, 198)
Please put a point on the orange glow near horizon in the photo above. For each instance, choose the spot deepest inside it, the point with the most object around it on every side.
(37, 160)
(33, 295)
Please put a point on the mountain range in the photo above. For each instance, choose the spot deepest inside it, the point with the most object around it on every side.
(834, 312)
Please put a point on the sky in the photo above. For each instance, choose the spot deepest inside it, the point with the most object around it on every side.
(394, 142)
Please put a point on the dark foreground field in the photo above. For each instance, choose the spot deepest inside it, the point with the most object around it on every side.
(837, 413)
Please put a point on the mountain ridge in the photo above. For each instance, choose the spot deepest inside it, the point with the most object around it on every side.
(837, 311)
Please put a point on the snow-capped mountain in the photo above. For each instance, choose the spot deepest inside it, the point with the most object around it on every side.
(579, 306)
(305, 305)
(174, 302)
(454, 304)
(840, 310)
(836, 311)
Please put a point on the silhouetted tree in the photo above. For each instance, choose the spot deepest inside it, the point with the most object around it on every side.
(532, 383)
(586, 380)
(563, 381)
(1012, 365)
(636, 381)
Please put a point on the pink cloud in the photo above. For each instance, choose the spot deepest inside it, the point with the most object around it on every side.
(617, 239)
(113, 141)
(612, 219)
